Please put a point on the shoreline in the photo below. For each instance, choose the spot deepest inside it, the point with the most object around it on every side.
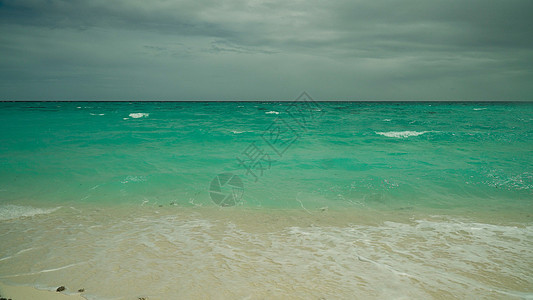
(158, 252)
(16, 292)
(326, 216)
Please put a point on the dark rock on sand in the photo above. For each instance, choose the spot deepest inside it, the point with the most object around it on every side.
(61, 288)
(81, 290)
(2, 298)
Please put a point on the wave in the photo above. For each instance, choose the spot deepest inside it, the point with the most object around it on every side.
(240, 131)
(337, 260)
(139, 115)
(134, 179)
(401, 134)
(272, 112)
(9, 211)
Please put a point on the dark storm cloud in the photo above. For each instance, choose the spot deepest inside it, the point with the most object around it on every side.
(247, 49)
(132, 15)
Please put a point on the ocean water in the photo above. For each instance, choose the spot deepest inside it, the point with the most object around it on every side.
(256, 200)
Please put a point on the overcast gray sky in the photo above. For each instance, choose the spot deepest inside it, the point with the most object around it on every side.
(266, 50)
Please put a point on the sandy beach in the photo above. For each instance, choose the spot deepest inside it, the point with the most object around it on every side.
(172, 252)
(25, 292)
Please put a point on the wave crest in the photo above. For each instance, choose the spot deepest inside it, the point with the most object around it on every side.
(139, 115)
(9, 211)
(401, 134)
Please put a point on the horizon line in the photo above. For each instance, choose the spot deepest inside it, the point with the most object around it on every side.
(256, 100)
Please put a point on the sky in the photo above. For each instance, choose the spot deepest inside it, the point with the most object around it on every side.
(266, 50)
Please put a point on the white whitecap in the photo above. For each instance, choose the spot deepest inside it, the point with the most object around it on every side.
(387, 120)
(272, 112)
(139, 115)
(96, 114)
(401, 134)
(131, 178)
(9, 211)
(481, 108)
(239, 131)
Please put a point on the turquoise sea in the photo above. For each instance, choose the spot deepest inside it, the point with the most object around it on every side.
(268, 200)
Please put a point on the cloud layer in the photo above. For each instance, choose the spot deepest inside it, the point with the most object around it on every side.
(267, 50)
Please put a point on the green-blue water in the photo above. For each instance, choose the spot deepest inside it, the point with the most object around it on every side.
(357, 154)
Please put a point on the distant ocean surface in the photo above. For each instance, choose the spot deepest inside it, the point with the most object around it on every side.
(441, 155)
(377, 197)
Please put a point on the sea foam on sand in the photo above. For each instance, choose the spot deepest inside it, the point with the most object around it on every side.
(9, 211)
(161, 252)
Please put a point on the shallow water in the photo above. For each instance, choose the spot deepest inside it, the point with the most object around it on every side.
(191, 253)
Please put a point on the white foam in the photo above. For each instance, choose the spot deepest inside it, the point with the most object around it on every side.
(482, 108)
(390, 260)
(96, 114)
(239, 131)
(9, 211)
(272, 112)
(134, 179)
(401, 134)
(139, 115)
(19, 252)
(44, 271)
